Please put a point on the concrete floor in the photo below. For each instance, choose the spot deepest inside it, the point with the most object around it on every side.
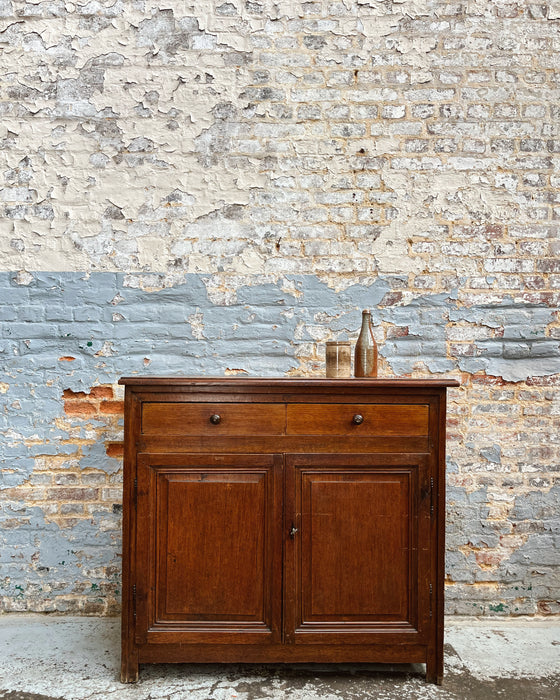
(54, 658)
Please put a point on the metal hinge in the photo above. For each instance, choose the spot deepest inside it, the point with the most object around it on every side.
(134, 601)
(431, 495)
(431, 597)
(135, 495)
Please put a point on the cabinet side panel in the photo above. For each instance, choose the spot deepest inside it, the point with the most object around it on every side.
(435, 656)
(129, 653)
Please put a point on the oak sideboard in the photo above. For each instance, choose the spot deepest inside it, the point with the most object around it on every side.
(283, 520)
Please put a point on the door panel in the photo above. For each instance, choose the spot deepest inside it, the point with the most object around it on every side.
(349, 536)
(213, 570)
(209, 531)
(355, 569)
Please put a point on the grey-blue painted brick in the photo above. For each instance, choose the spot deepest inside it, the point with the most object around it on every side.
(239, 335)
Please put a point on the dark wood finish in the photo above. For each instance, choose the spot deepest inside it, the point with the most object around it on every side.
(357, 419)
(358, 557)
(289, 443)
(282, 653)
(210, 570)
(284, 383)
(212, 419)
(435, 661)
(283, 520)
(129, 650)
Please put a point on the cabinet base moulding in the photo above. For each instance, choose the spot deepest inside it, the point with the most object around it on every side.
(280, 654)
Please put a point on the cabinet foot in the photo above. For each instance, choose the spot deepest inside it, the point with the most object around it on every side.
(129, 670)
(434, 678)
(434, 671)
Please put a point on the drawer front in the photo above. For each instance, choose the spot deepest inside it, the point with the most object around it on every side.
(217, 419)
(358, 420)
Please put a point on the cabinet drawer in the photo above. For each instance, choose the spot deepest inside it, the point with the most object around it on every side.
(218, 419)
(407, 420)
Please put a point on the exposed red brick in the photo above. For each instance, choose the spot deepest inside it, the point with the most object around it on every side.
(397, 332)
(487, 379)
(463, 349)
(69, 394)
(544, 381)
(534, 282)
(79, 408)
(68, 522)
(548, 265)
(66, 479)
(111, 406)
(548, 298)
(101, 392)
(13, 523)
(96, 392)
(114, 449)
(485, 559)
(66, 358)
(483, 231)
(391, 298)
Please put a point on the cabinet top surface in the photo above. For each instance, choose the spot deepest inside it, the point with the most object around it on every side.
(288, 382)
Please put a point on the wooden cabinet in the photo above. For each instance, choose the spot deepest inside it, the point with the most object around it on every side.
(283, 520)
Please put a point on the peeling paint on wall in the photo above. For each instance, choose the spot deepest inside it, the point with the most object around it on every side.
(220, 188)
(62, 411)
(275, 138)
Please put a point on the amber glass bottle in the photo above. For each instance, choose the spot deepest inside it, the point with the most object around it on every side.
(365, 354)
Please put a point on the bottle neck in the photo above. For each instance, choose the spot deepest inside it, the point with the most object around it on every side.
(366, 318)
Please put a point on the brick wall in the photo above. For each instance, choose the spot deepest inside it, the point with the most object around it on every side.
(220, 187)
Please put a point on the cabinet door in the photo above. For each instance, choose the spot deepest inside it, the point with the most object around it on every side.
(208, 548)
(358, 557)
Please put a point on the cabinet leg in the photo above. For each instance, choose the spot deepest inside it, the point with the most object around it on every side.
(129, 668)
(434, 668)
(433, 678)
